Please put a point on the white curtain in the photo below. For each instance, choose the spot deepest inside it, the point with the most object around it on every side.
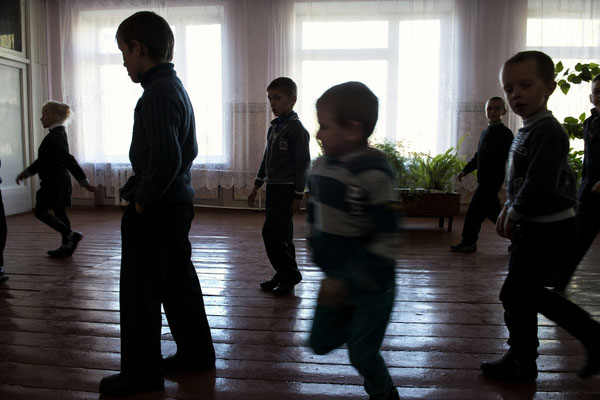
(221, 55)
(432, 63)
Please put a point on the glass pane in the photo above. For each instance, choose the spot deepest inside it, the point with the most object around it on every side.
(345, 35)
(419, 84)
(11, 117)
(10, 25)
(563, 32)
(318, 76)
(204, 85)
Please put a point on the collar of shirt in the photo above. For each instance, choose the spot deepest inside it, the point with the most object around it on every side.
(54, 126)
(161, 69)
(527, 122)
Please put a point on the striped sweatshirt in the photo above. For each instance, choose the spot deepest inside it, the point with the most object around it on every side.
(352, 223)
(163, 145)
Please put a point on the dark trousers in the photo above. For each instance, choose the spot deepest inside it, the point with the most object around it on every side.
(484, 204)
(3, 230)
(156, 268)
(57, 220)
(361, 323)
(278, 231)
(588, 225)
(523, 295)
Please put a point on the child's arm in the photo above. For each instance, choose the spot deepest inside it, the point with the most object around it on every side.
(61, 150)
(470, 167)
(301, 164)
(262, 172)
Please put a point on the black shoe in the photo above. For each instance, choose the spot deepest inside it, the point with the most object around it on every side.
(3, 277)
(123, 385)
(464, 248)
(176, 362)
(509, 368)
(511, 247)
(269, 285)
(592, 362)
(392, 395)
(61, 252)
(284, 288)
(72, 240)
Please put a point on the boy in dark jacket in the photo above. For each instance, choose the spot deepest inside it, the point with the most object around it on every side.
(156, 266)
(352, 235)
(588, 205)
(283, 168)
(539, 216)
(490, 163)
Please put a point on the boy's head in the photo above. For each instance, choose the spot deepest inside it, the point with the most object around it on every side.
(495, 109)
(54, 112)
(282, 95)
(145, 39)
(528, 81)
(595, 96)
(347, 115)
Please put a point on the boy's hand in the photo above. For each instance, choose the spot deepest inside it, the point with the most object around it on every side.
(139, 208)
(506, 226)
(460, 176)
(24, 174)
(296, 205)
(332, 292)
(252, 197)
(500, 222)
(596, 187)
(91, 188)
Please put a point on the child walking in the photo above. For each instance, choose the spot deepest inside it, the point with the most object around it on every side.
(53, 165)
(352, 235)
(283, 168)
(588, 204)
(539, 216)
(490, 163)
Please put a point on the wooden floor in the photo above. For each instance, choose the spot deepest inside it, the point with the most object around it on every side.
(59, 320)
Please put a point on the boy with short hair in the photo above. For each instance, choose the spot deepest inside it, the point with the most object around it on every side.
(352, 235)
(588, 205)
(539, 217)
(156, 266)
(283, 168)
(490, 163)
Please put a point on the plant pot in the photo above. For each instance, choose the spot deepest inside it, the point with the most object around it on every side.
(422, 203)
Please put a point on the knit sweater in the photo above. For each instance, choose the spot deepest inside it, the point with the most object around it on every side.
(352, 223)
(541, 185)
(286, 157)
(492, 153)
(163, 145)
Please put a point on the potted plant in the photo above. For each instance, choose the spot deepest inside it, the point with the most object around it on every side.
(424, 182)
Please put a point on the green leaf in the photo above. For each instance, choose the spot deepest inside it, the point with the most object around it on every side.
(578, 67)
(559, 67)
(576, 79)
(582, 117)
(565, 87)
(592, 65)
(571, 120)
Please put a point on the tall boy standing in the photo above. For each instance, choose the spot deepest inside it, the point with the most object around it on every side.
(588, 204)
(352, 235)
(156, 266)
(539, 216)
(283, 168)
(490, 163)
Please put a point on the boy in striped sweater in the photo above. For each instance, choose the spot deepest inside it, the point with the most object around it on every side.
(352, 234)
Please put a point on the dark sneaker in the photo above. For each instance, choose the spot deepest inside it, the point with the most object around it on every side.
(509, 368)
(61, 252)
(124, 385)
(511, 247)
(269, 285)
(3, 277)
(464, 248)
(392, 395)
(72, 240)
(176, 362)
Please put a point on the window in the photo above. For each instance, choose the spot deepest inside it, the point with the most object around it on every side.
(109, 117)
(10, 25)
(570, 33)
(397, 52)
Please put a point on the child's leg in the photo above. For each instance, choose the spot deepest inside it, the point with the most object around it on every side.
(278, 231)
(477, 212)
(42, 213)
(368, 326)
(330, 328)
(61, 214)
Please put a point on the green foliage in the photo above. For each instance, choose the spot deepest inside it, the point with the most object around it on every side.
(422, 171)
(434, 172)
(576, 163)
(580, 73)
(393, 151)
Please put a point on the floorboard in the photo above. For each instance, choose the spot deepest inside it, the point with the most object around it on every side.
(59, 319)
